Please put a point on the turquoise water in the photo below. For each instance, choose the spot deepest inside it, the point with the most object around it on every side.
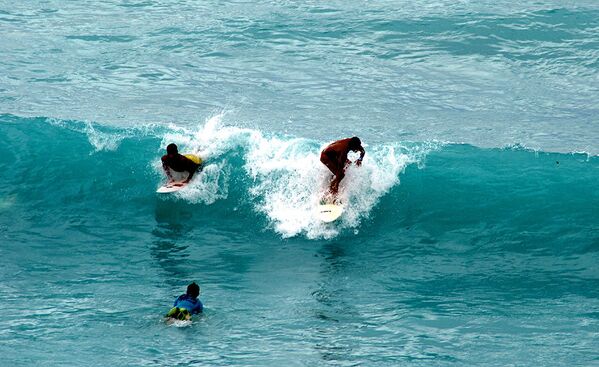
(471, 235)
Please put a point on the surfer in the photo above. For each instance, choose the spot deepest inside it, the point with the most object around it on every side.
(334, 156)
(187, 304)
(172, 160)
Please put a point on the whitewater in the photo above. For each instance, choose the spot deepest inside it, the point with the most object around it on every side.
(471, 230)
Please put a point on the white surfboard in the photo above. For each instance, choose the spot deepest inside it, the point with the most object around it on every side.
(329, 212)
(174, 187)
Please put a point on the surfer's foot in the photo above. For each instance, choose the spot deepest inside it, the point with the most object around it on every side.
(334, 187)
(329, 198)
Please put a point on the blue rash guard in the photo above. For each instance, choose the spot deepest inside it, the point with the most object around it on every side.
(193, 305)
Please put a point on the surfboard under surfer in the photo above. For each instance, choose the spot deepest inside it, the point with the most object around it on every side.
(172, 160)
(334, 156)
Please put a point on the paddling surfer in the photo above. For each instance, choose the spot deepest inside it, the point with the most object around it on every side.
(187, 304)
(172, 160)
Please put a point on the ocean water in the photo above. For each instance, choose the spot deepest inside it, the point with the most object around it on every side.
(471, 235)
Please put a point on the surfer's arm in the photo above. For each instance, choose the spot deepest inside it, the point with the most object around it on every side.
(167, 170)
(199, 307)
(362, 154)
(191, 173)
(343, 161)
(192, 168)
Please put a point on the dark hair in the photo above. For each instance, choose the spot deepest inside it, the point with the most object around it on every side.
(193, 290)
(355, 142)
(172, 148)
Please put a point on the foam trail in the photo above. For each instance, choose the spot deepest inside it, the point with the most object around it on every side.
(208, 186)
(288, 179)
(7, 202)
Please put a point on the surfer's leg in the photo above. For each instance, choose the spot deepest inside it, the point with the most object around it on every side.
(331, 164)
(334, 186)
(178, 314)
(335, 182)
(173, 313)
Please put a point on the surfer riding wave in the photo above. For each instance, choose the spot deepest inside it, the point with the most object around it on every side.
(334, 156)
(174, 161)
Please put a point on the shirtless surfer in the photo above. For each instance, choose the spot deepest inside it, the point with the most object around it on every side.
(172, 160)
(334, 156)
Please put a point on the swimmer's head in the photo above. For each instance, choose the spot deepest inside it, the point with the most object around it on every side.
(193, 290)
(172, 149)
(355, 143)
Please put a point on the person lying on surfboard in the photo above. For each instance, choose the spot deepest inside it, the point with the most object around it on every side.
(186, 304)
(334, 156)
(172, 160)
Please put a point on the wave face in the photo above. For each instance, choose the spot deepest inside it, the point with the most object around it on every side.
(445, 253)
(280, 179)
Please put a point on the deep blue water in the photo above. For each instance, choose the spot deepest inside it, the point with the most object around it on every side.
(471, 235)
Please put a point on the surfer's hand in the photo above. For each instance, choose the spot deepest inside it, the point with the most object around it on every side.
(359, 162)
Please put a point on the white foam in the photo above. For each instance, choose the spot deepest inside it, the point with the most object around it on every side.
(288, 184)
(7, 202)
(207, 186)
(102, 141)
(209, 140)
(287, 178)
(179, 323)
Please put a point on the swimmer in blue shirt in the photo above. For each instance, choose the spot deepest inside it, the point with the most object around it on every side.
(187, 304)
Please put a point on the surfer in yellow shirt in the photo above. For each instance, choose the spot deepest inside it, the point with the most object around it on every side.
(172, 160)
(334, 156)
